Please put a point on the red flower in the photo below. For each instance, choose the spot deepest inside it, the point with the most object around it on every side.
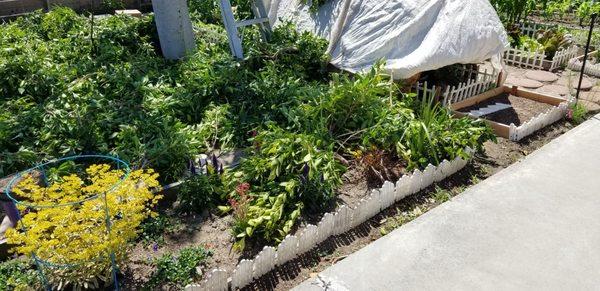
(242, 189)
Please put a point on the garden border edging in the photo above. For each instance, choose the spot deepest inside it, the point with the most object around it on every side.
(331, 224)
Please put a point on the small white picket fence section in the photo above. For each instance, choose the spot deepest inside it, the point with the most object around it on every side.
(563, 57)
(482, 83)
(535, 60)
(422, 89)
(551, 116)
(531, 28)
(343, 220)
(591, 69)
(478, 83)
(525, 59)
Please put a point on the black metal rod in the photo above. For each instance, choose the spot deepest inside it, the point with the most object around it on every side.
(585, 56)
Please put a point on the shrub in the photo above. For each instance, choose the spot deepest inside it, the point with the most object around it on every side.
(200, 192)
(75, 235)
(61, 23)
(284, 173)
(178, 270)
(217, 128)
(300, 52)
(356, 110)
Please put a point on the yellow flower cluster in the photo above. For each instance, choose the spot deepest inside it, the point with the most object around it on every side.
(75, 236)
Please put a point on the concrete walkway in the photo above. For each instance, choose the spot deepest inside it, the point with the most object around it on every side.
(533, 226)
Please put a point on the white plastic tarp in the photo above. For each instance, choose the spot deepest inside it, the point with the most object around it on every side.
(411, 35)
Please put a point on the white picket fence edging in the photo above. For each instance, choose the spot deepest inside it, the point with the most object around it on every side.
(542, 120)
(591, 69)
(331, 224)
(478, 83)
(525, 59)
(537, 60)
(483, 82)
(562, 57)
(531, 28)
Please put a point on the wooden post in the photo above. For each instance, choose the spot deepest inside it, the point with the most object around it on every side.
(174, 28)
(235, 42)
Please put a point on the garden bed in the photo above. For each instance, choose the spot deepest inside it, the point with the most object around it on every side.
(312, 139)
(521, 110)
(513, 113)
(496, 157)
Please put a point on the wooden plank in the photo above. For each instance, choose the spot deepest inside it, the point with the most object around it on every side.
(477, 99)
(500, 129)
(539, 97)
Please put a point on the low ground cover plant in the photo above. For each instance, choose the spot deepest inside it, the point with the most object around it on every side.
(178, 270)
(298, 123)
(18, 275)
(577, 112)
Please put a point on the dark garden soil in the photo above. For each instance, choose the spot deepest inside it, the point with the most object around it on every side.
(522, 109)
(212, 231)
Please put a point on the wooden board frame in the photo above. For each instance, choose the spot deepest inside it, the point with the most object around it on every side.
(502, 130)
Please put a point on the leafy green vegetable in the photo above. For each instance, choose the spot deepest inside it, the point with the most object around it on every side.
(18, 275)
(179, 270)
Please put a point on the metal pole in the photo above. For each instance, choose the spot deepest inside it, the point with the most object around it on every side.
(585, 56)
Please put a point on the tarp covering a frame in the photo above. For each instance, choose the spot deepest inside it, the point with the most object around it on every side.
(413, 36)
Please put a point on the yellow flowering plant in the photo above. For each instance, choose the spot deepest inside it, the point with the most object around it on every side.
(66, 229)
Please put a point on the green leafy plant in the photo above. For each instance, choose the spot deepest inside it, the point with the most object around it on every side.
(285, 173)
(179, 270)
(314, 4)
(513, 11)
(434, 135)
(217, 128)
(153, 229)
(577, 112)
(201, 191)
(18, 275)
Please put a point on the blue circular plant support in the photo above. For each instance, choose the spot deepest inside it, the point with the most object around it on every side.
(120, 164)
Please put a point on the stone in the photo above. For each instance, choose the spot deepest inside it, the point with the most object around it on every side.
(590, 96)
(590, 106)
(586, 84)
(525, 83)
(554, 90)
(130, 12)
(542, 76)
(595, 89)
